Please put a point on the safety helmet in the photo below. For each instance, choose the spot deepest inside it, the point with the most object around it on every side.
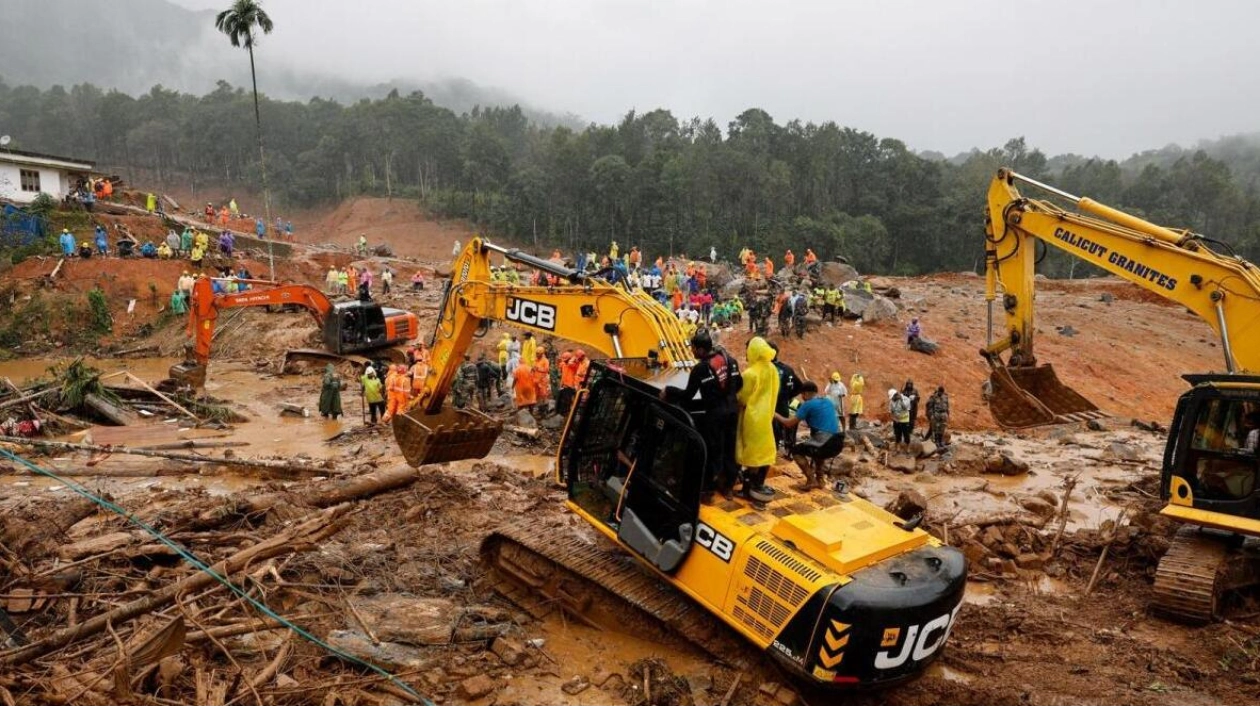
(892, 392)
(835, 376)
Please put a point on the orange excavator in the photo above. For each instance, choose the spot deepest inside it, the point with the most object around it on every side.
(347, 327)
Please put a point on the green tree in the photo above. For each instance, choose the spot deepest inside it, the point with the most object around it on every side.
(238, 23)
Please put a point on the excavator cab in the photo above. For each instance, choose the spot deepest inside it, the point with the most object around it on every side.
(632, 462)
(1210, 481)
(366, 326)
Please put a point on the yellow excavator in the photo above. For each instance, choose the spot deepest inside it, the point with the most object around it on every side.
(1210, 461)
(840, 592)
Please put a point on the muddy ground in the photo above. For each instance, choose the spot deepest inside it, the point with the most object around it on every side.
(1030, 632)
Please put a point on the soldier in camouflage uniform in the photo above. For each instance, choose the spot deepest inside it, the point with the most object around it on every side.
(465, 383)
(938, 415)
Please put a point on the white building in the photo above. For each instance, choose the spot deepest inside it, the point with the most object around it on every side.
(23, 175)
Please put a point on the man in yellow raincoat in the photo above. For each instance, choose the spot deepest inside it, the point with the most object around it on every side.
(754, 440)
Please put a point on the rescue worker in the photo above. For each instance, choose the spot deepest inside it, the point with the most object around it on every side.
(150, 202)
(833, 303)
(836, 392)
(514, 354)
(912, 397)
(372, 394)
(568, 382)
(419, 367)
(172, 242)
(398, 387)
(899, 410)
(330, 280)
(789, 386)
(186, 241)
(524, 393)
(102, 241)
(164, 251)
(913, 331)
(362, 247)
(542, 378)
(717, 379)
(387, 279)
(857, 383)
(754, 437)
(329, 392)
(178, 303)
(465, 383)
(810, 258)
(68, 244)
(938, 415)
(789, 258)
(226, 243)
(769, 268)
(583, 368)
(824, 441)
(85, 250)
(529, 350)
(487, 377)
(236, 213)
(504, 357)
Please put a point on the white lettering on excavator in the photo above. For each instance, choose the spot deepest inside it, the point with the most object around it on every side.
(714, 542)
(530, 313)
(916, 644)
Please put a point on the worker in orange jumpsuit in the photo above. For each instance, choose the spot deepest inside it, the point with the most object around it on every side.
(810, 258)
(769, 268)
(419, 367)
(568, 382)
(524, 394)
(542, 377)
(398, 391)
(583, 368)
(702, 277)
(789, 258)
(223, 215)
(750, 265)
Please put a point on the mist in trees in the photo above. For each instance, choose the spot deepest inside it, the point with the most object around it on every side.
(665, 184)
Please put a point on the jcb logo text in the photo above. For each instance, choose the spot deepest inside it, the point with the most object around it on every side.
(535, 314)
(715, 542)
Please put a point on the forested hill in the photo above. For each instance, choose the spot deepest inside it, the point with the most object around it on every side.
(652, 180)
(136, 44)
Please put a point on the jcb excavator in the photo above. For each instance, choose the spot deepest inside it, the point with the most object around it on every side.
(1210, 462)
(839, 591)
(348, 327)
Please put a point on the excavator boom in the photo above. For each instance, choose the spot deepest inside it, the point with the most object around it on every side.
(1175, 264)
(609, 318)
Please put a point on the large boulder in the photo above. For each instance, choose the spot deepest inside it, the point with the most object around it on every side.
(733, 287)
(836, 273)
(880, 309)
(856, 300)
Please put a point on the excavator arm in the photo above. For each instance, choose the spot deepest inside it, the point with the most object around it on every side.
(203, 313)
(587, 310)
(1224, 290)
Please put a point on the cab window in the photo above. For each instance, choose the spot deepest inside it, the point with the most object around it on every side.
(1222, 453)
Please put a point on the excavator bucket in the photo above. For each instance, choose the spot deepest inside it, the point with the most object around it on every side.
(1028, 396)
(447, 436)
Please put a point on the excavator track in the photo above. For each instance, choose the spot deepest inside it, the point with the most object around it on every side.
(1198, 572)
(1187, 582)
(545, 569)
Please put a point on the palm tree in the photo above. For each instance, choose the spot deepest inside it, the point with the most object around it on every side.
(238, 23)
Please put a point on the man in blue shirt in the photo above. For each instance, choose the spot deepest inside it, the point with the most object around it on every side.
(824, 441)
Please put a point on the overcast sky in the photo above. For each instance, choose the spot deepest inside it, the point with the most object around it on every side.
(1089, 77)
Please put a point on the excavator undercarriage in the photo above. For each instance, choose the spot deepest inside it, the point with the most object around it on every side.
(1197, 575)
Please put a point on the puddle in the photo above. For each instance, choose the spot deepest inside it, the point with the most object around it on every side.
(980, 594)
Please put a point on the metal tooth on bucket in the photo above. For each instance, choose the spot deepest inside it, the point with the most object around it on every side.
(449, 435)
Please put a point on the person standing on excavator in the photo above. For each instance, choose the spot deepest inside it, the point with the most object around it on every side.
(717, 379)
(754, 438)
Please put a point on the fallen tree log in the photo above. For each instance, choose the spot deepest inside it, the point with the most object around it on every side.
(30, 540)
(299, 538)
(329, 493)
(110, 411)
(275, 465)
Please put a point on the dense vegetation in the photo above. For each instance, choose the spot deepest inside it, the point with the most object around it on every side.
(652, 180)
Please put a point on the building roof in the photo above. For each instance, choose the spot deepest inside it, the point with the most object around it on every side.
(44, 160)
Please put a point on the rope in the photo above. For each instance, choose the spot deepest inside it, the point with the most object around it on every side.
(203, 567)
